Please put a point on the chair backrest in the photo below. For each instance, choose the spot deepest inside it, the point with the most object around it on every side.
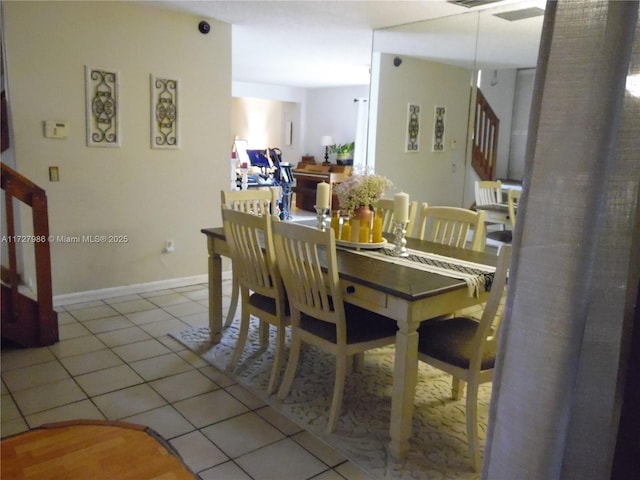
(256, 201)
(251, 245)
(488, 192)
(385, 207)
(489, 327)
(301, 252)
(451, 226)
(513, 197)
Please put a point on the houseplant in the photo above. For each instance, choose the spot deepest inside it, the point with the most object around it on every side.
(344, 152)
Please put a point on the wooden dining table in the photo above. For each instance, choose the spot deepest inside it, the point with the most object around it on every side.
(406, 294)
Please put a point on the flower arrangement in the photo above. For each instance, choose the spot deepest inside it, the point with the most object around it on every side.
(361, 190)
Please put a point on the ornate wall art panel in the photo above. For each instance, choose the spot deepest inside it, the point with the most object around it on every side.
(103, 109)
(164, 113)
(412, 142)
(438, 128)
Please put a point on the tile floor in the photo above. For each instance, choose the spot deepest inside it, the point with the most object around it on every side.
(115, 361)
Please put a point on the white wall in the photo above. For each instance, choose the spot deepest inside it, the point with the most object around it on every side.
(433, 177)
(520, 126)
(146, 194)
(331, 111)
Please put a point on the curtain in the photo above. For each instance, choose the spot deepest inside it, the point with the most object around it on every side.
(564, 347)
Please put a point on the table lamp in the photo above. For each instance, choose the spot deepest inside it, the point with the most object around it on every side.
(326, 141)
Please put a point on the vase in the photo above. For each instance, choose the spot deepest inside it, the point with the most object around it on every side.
(363, 215)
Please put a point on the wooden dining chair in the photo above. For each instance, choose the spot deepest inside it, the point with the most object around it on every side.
(506, 236)
(466, 348)
(258, 202)
(261, 289)
(385, 207)
(452, 226)
(488, 192)
(319, 316)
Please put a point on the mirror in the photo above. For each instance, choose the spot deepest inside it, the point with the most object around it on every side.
(424, 79)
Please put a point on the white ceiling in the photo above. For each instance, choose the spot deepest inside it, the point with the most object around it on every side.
(308, 43)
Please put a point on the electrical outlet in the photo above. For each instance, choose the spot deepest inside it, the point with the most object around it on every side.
(169, 247)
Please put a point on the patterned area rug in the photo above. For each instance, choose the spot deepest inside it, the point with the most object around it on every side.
(438, 447)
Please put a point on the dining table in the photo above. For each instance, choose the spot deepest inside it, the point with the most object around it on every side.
(391, 288)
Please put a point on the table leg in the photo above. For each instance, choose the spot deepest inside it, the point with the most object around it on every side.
(404, 385)
(215, 292)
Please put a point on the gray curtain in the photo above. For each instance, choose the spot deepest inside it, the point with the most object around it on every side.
(570, 308)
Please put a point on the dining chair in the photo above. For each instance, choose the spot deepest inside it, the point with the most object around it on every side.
(506, 236)
(452, 226)
(258, 202)
(307, 260)
(261, 289)
(466, 349)
(385, 207)
(488, 192)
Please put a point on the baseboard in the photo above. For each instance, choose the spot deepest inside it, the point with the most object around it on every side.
(92, 295)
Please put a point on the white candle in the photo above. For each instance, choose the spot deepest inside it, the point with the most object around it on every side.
(322, 195)
(401, 207)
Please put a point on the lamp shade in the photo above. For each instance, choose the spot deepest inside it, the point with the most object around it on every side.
(326, 140)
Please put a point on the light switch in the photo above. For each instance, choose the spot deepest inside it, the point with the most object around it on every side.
(54, 175)
(54, 129)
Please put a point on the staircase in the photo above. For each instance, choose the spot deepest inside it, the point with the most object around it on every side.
(484, 153)
(26, 321)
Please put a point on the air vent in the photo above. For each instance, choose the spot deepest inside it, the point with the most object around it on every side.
(522, 14)
(473, 3)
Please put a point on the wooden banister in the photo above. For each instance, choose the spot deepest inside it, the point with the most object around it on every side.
(484, 153)
(25, 321)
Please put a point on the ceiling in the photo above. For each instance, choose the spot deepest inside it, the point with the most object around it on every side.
(308, 43)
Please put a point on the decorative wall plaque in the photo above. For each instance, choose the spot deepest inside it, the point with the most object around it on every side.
(438, 128)
(103, 110)
(164, 113)
(412, 141)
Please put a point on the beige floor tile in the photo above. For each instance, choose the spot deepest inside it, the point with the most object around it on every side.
(224, 471)
(246, 397)
(198, 319)
(161, 366)
(108, 324)
(123, 337)
(198, 452)
(108, 380)
(72, 330)
(210, 408)
(132, 306)
(351, 471)
(329, 475)
(34, 376)
(278, 420)
(172, 344)
(46, 397)
(13, 427)
(84, 409)
(242, 434)
(162, 328)
(121, 299)
(199, 294)
(324, 452)
(148, 316)
(193, 359)
(83, 305)
(8, 409)
(164, 420)
(90, 362)
(93, 313)
(184, 385)
(12, 359)
(220, 378)
(129, 401)
(65, 317)
(168, 299)
(284, 459)
(76, 346)
(183, 309)
(141, 350)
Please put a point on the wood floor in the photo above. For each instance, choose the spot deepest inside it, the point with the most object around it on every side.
(96, 450)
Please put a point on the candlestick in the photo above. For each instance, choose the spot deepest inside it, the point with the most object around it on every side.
(321, 217)
(322, 195)
(400, 230)
(401, 207)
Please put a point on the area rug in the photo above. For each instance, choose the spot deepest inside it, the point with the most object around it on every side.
(438, 448)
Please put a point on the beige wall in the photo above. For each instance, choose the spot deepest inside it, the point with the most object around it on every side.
(434, 177)
(146, 194)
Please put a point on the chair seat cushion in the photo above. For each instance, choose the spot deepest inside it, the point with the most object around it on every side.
(504, 236)
(266, 304)
(362, 326)
(451, 340)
